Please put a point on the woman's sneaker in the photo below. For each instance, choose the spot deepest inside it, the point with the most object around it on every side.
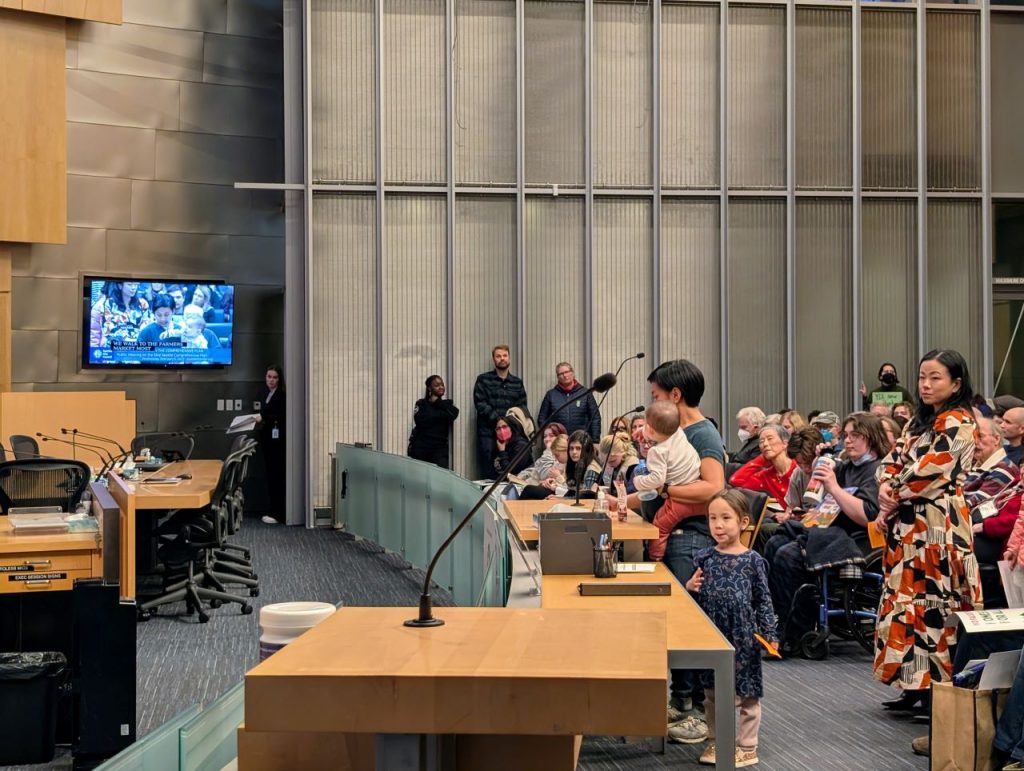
(745, 758)
(708, 758)
(688, 731)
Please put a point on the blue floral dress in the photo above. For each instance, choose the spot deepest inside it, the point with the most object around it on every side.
(736, 598)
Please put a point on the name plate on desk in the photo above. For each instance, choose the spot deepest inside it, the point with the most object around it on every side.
(38, 577)
(619, 588)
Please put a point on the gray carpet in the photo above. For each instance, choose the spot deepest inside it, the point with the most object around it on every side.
(818, 716)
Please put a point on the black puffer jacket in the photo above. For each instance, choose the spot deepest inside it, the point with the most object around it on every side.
(581, 415)
(492, 397)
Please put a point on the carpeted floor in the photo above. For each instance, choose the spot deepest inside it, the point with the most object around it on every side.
(818, 716)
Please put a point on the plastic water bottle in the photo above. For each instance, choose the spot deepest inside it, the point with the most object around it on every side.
(620, 490)
(602, 502)
(641, 466)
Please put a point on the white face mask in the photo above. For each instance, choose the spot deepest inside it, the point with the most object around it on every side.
(744, 435)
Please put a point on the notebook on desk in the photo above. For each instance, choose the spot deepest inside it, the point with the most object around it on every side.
(37, 519)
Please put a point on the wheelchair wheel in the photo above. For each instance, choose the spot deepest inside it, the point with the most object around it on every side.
(814, 645)
(860, 602)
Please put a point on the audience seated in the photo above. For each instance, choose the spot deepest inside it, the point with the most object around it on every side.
(791, 420)
(750, 420)
(992, 491)
(1012, 424)
(509, 440)
(831, 430)
(772, 469)
(617, 456)
(581, 467)
(803, 449)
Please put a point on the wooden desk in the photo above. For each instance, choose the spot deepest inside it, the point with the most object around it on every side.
(134, 496)
(32, 563)
(520, 514)
(542, 676)
(694, 642)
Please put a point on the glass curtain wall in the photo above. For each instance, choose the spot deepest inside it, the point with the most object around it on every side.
(548, 174)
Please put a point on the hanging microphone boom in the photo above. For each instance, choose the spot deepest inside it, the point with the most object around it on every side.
(94, 449)
(108, 440)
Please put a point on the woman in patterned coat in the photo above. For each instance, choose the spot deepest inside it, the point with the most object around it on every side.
(929, 563)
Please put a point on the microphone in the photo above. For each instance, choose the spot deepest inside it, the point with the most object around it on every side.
(604, 465)
(622, 364)
(426, 615)
(96, 437)
(94, 449)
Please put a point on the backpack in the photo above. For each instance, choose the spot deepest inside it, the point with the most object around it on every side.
(521, 415)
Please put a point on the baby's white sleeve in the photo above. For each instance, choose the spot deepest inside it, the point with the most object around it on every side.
(657, 466)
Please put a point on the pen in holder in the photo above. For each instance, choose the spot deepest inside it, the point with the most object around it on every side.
(606, 559)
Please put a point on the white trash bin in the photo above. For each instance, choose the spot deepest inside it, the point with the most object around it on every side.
(284, 621)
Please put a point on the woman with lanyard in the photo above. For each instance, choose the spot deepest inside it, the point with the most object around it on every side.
(271, 427)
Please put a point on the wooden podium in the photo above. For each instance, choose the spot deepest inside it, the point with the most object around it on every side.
(495, 688)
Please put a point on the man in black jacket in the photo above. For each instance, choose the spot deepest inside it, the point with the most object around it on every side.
(582, 415)
(493, 394)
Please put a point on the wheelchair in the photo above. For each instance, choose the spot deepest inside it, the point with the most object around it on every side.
(846, 600)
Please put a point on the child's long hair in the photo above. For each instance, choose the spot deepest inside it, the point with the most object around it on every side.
(737, 501)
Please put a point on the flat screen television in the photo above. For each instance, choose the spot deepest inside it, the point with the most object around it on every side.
(156, 322)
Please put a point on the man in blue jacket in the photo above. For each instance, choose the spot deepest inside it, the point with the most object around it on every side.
(582, 414)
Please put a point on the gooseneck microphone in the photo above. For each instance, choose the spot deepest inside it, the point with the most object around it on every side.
(108, 440)
(426, 615)
(93, 448)
(622, 364)
(604, 466)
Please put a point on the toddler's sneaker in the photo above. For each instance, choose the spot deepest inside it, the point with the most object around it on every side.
(707, 758)
(745, 758)
(688, 731)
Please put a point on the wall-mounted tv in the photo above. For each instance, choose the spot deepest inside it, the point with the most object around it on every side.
(156, 322)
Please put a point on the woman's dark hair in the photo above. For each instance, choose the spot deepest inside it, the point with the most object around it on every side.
(803, 444)
(956, 365)
(888, 364)
(280, 375)
(681, 374)
(574, 470)
(427, 383)
(163, 301)
(514, 425)
(872, 429)
(115, 295)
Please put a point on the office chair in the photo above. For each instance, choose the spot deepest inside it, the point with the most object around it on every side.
(24, 446)
(170, 446)
(42, 482)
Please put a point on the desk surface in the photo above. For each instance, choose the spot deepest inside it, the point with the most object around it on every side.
(686, 625)
(487, 670)
(49, 542)
(191, 493)
(520, 514)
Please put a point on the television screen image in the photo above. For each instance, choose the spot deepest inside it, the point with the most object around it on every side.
(156, 323)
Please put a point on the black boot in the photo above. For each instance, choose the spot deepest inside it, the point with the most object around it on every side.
(909, 701)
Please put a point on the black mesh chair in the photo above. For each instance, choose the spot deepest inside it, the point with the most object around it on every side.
(169, 446)
(24, 446)
(42, 482)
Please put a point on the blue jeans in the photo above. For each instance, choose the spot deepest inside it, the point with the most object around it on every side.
(679, 554)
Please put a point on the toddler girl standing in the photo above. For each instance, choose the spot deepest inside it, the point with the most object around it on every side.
(732, 582)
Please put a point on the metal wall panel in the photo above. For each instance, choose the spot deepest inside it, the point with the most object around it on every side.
(689, 288)
(201, 15)
(147, 251)
(257, 260)
(239, 61)
(888, 114)
(217, 159)
(415, 309)
(554, 327)
(1007, 102)
(622, 95)
(483, 307)
(888, 288)
(757, 306)
(341, 88)
(187, 208)
(414, 91)
(689, 96)
(53, 303)
(954, 101)
(122, 100)
(553, 71)
(485, 92)
(823, 98)
(955, 293)
(99, 202)
(34, 356)
(111, 151)
(757, 97)
(262, 307)
(824, 309)
(245, 112)
(622, 268)
(86, 250)
(131, 49)
(342, 355)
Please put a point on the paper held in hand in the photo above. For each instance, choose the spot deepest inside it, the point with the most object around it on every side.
(1000, 620)
(243, 423)
(1013, 584)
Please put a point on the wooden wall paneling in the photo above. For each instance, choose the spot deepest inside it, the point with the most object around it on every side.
(5, 318)
(109, 11)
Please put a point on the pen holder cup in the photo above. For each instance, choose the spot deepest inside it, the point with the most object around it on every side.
(606, 561)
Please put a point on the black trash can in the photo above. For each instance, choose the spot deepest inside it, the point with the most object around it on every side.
(29, 683)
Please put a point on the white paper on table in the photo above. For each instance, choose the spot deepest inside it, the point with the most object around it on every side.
(999, 671)
(1013, 584)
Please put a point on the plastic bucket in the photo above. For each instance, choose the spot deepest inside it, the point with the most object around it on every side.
(283, 622)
